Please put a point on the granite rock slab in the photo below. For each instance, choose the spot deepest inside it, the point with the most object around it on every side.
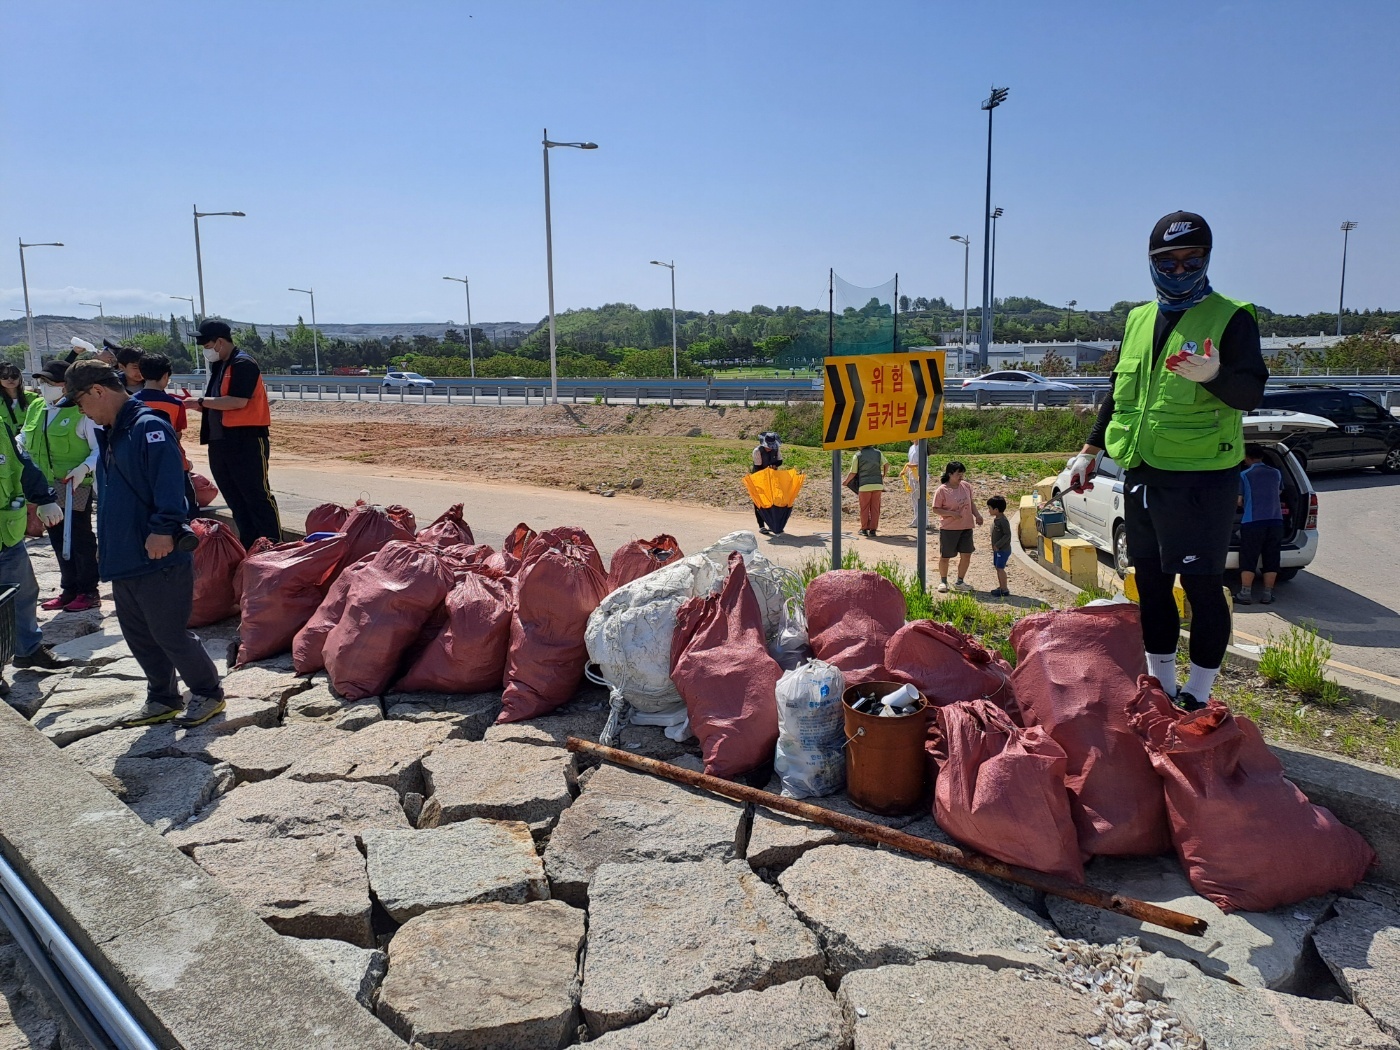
(165, 792)
(471, 714)
(318, 702)
(256, 753)
(359, 971)
(1361, 947)
(501, 781)
(385, 752)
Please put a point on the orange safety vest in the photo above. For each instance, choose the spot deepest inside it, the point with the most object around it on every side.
(256, 413)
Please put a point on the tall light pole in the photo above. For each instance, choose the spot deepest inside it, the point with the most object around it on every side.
(315, 346)
(984, 337)
(675, 356)
(992, 285)
(193, 325)
(471, 349)
(1346, 231)
(966, 242)
(549, 259)
(102, 315)
(31, 357)
(198, 261)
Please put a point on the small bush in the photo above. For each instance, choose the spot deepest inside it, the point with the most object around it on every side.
(1298, 660)
(1090, 594)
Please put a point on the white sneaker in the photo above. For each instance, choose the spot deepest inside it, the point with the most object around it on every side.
(961, 586)
(942, 587)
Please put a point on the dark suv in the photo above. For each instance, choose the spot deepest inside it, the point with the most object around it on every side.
(1366, 435)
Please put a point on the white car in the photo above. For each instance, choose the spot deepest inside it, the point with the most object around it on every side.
(1097, 515)
(407, 381)
(1015, 382)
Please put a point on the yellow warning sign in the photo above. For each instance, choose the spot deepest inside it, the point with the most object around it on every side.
(878, 398)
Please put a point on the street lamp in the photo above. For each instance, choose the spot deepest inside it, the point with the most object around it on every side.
(992, 285)
(194, 324)
(675, 358)
(31, 357)
(198, 261)
(315, 346)
(549, 259)
(471, 350)
(100, 314)
(966, 242)
(1347, 227)
(995, 99)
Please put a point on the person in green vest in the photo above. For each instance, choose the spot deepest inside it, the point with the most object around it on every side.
(869, 466)
(62, 442)
(1188, 369)
(21, 481)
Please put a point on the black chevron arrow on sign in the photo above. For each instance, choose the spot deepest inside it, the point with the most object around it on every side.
(916, 368)
(858, 393)
(936, 381)
(838, 397)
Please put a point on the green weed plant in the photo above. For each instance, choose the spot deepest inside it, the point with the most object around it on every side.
(1298, 660)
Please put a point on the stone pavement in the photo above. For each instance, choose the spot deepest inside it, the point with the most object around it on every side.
(472, 885)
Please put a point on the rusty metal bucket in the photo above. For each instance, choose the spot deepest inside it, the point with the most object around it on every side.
(885, 766)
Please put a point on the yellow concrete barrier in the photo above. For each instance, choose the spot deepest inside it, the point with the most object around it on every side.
(1045, 487)
(1183, 606)
(1027, 523)
(1079, 560)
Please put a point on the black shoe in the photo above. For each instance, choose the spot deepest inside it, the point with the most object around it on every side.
(150, 714)
(1268, 598)
(45, 659)
(763, 529)
(1187, 702)
(4, 687)
(1243, 597)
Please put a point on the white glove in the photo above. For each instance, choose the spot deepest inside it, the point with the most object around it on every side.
(50, 514)
(1081, 471)
(1199, 368)
(78, 474)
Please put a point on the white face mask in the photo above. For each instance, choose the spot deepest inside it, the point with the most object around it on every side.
(51, 393)
(211, 355)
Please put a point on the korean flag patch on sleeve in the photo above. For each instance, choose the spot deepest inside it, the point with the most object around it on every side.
(154, 437)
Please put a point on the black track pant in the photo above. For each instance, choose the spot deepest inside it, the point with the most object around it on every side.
(239, 465)
(153, 612)
(77, 574)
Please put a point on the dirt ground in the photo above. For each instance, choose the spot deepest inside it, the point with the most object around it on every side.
(693, 455)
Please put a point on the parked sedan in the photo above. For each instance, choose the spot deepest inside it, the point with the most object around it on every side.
(407, 381)
(1015, 382)
(1366, 435)
(1097, 515)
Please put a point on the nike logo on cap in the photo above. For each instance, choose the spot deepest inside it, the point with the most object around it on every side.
(1177, 229)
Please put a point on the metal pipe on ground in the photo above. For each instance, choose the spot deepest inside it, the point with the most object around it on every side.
(1143, 911)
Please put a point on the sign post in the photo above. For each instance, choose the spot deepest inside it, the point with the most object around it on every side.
(876, 399)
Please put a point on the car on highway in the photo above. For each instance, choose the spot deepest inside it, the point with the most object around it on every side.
(407, 381)
(1097, 514)
(1014, 381)
(1366, 434)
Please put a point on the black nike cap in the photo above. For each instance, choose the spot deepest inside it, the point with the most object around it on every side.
(1180, 229)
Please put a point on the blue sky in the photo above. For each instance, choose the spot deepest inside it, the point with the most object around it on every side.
(378, 147)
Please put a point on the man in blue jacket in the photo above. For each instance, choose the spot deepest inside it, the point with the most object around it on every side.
(141, 512)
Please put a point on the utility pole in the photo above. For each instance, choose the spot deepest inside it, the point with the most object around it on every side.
(995, 99)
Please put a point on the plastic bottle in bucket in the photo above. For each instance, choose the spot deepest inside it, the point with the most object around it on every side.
(885, 765)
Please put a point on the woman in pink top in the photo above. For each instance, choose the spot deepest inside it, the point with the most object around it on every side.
(957, 514)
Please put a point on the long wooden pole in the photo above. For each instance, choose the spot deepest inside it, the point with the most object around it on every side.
(1142, 911)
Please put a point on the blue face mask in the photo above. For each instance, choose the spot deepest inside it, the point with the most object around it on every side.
(1180, 291)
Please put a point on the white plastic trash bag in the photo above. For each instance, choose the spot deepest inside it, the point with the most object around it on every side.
(772, 585)
(811, 756)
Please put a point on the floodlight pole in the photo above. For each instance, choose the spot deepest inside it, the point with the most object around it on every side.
(1347, 227)
(984, 338)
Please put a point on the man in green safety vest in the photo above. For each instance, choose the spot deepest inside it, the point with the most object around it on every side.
(1188, 370)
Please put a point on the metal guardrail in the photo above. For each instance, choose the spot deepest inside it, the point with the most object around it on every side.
(1091, 390)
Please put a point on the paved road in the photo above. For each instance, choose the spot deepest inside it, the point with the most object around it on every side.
(1352, 589)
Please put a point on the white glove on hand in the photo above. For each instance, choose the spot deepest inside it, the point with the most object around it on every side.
(50, 514)
(78, 474)
(1081, 471)
(1199, 368)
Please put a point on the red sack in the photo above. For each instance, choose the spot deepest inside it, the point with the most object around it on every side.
(634, 560)
(850, 617)
(1076, 673)
(468, 655)
(32, 525)
(308, 647)
(947, 666)
(328, 517)
(367, 529)
(518, 540)
(723, 672)
(260, 546)
(448, 530)
(403, 517)
(386, 605)
(1001, 790)
(566, 536)
(1247, 837)
(282, 587)
(205, 491)
(558, 587)
(478, 558)
(216, 559)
